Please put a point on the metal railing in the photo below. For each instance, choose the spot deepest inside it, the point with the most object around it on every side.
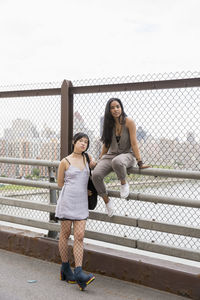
(132, 221)
(37, 122)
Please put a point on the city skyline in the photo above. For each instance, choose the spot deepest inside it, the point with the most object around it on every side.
(48, 132)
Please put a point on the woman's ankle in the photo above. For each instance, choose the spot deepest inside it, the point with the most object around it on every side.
(123, 182)
(106, 199)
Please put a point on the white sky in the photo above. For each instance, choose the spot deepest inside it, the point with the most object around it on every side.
(52, 40)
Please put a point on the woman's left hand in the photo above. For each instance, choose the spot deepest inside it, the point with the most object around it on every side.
(93, 164)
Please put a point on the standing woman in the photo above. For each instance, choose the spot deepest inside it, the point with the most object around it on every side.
(119, 152)
(72, 207)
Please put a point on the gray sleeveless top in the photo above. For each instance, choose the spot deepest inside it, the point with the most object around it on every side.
(124, 145)
(73, 200)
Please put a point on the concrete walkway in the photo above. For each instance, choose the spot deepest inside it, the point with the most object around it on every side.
(16, 270)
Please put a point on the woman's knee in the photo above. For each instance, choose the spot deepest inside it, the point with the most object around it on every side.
(96, 176)
(65, 234)
(79, 236)
(117, 163)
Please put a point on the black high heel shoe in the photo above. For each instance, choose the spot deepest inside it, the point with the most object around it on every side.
(83, 279)
(66, 273)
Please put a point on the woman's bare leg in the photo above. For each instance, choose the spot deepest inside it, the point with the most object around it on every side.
(65, 231)
(79, 231)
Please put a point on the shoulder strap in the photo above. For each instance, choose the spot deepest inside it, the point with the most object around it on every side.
(88, 160)
(87, 157)
(67, 160)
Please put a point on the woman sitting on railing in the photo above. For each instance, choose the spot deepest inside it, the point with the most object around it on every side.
(72, 207)
(120, 151)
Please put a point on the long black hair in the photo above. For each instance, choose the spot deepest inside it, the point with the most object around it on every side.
(78, 136)
(109, 122)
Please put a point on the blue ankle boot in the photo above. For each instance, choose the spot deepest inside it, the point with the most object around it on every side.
(82, 279)
(66, 273)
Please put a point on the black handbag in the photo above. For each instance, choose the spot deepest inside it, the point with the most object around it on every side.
(92, 200)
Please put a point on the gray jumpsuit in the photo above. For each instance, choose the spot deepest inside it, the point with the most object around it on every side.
(119, 157)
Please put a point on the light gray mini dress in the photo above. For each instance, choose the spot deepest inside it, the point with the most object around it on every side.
(72, 203)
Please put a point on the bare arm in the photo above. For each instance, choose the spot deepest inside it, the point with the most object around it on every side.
(133, 138)
(92, 162)
(130, 124)
(63, 166)
(104, 150)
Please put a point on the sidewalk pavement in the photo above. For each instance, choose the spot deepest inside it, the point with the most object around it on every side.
(17, 270)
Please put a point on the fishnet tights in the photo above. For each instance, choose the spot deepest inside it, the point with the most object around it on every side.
(65, 231)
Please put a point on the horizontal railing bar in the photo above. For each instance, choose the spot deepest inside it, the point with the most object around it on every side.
(158, 199)
(27, 204)
(32, 183)
(30, 222)
(56, 227)
(169, 250)
(33, 162)
(169, 228)
(139, 244)
(165, 173)
(116, 219)
(137, 86)
(31, 93)
(132, 196)
(109, 238)
(148, 172)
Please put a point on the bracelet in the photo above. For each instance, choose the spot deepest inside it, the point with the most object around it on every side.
(139, 163)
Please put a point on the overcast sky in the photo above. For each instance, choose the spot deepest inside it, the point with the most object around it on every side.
(52, 40)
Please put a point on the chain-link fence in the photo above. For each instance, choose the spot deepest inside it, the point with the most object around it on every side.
(168, 134)
(29, 128)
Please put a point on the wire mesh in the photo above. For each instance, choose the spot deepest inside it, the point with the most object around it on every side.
(168, 135)
(29, 128)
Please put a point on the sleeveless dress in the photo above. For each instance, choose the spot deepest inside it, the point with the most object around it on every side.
(73, 200)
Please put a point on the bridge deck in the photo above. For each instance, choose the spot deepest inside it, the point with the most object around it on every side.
(17, 270)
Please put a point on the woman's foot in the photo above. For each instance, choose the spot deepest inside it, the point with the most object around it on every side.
(110, 208)
(66, 273)
(124, 190)
(83, 279)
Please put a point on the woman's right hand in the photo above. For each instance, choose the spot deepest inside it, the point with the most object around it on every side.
(141, 165)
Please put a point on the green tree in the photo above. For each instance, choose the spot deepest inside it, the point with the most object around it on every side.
(35, 172)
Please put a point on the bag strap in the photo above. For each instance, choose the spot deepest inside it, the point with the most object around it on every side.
(88, 161)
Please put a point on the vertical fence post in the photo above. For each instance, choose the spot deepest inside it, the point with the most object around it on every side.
(65, 139)
(66, 119)
(52, 195)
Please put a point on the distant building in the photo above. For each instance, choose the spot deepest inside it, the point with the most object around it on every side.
(141, 134)
(101, 125)
(191, 137)
(21, 129)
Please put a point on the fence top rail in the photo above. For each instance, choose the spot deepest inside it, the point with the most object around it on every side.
(31, 93)
(137, 86)
(105, 88)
